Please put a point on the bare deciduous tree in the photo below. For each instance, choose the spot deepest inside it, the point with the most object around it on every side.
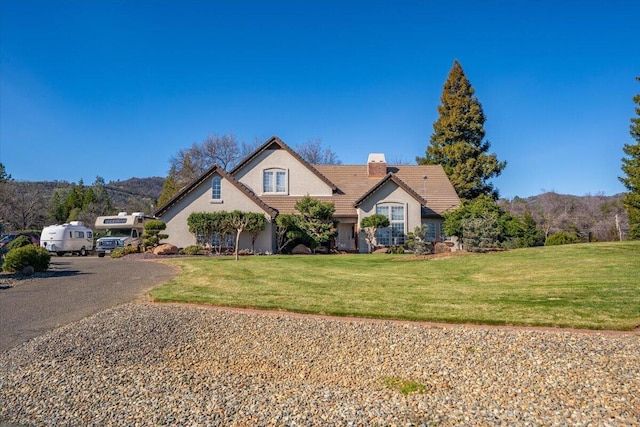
(313, 152)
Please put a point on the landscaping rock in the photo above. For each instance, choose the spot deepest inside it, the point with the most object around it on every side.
(153, 364)
(441, 248)
(28, 271)
(301, 250)
(165, 249)
(382, 250)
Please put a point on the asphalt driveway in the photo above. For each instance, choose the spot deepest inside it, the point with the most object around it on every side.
(76, 287)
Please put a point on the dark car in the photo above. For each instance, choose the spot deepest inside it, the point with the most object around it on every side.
(8, 238)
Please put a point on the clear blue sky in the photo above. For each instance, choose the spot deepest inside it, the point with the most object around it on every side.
(114, 88)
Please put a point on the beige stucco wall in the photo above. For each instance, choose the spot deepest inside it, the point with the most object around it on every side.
(390, 193)
(301, 181)
(200, 200)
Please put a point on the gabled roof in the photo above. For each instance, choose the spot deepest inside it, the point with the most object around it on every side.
(353, 183)
(215, 170)
(390, 177)
(276, 143)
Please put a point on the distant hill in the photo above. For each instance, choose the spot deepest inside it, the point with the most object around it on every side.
(121, 192)
(592, 216)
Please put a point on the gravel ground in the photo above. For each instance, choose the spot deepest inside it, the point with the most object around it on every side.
(152, 364)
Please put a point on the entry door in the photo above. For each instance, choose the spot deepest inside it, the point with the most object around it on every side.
(346, 237)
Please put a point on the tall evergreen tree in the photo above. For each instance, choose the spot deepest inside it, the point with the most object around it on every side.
(458, 140)
(170, 187)
(631, 168)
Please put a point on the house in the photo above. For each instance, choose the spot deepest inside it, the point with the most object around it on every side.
(274, 177)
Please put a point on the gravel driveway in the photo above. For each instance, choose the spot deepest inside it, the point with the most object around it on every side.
(151, 364)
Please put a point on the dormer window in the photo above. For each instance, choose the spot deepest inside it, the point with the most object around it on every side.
(216, 188)
(274, 181)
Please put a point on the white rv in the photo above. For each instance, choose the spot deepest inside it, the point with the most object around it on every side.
(73, 238)
(121, 230)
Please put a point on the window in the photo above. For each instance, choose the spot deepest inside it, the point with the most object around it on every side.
(274, 181)
(394, 234)
(79, 234)
(216, 188)
(432, 233)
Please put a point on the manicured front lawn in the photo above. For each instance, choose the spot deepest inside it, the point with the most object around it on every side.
(595, 286)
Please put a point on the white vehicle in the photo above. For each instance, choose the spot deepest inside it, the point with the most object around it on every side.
(122, 230)
(73, 238)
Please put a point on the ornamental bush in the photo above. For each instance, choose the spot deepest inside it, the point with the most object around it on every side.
(17, 259)
(562, 238)
(119, 253)
(191, 250)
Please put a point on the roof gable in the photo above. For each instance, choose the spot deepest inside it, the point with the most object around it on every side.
(276, 143)
(390, 177)
(215, 170)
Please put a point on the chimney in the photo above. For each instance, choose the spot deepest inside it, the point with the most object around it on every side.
(376, 165)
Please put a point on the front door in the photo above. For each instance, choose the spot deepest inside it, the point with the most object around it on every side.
(346, 237)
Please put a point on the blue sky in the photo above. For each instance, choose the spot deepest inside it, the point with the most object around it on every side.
(114, 88)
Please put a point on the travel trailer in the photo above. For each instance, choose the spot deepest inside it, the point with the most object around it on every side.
(73, 238)
(121, 230)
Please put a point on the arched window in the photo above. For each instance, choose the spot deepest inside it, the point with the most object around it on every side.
(216, 188)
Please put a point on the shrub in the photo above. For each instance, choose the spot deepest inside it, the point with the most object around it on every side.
(562, 238)
(191, 250)
(19, 242)
(152, 233)
(17, 259)
(119, 253)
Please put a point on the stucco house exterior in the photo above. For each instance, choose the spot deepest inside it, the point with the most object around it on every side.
(274, 177)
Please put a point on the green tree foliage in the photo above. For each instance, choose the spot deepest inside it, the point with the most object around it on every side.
(458, 140)
(370, 225)
(417, 241)
(17, 259)
(531, 235)
(631, 169)
(216, 226)
(316, 219)
(153, 233)
(257, 223)
(287, 230)
(562, 238)
(209, 227)
(169, 187)
(4, 176)
(80, 202)
(502, 228)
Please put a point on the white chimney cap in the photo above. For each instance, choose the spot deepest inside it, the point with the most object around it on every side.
(376, 158)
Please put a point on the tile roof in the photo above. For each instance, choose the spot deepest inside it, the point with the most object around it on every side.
(353, 183)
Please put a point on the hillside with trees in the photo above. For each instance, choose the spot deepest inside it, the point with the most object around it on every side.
(26, 205)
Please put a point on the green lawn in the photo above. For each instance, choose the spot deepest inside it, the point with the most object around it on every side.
(595, 286)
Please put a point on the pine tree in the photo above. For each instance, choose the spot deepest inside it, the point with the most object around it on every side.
(170, 187)
(458, 140)
(631, 168)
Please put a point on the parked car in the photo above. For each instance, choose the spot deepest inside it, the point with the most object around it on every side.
(8, 238)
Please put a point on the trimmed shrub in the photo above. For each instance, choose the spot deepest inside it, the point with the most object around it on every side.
(191, 250)
(562, 238)
(119, 253)
(17, 259)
